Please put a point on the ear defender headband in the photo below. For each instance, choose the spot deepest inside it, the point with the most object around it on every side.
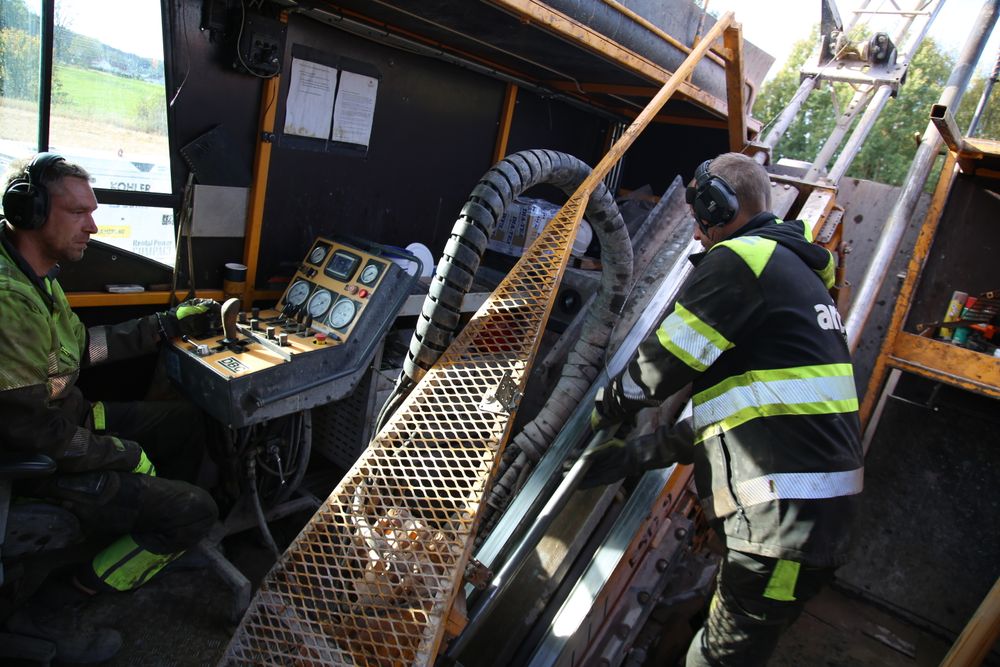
(713, 200)
(26, 199)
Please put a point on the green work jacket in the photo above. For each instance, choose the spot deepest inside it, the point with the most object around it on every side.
(43, 346)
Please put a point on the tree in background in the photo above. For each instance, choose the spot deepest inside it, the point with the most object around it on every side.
(889, 149)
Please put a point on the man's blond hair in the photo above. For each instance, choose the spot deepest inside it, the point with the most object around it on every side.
(748, 180)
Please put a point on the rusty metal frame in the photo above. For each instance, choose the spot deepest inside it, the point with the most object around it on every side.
(583, 36)
(373, 577)
(735, 88)
(506, 120)
(915, 268)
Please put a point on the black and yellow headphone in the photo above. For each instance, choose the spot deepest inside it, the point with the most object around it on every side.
(26, 199)
(712, 198)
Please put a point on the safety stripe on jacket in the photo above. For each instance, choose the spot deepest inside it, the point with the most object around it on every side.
(784, 486)
(97, 345)
(689, 339)
(753, 250)
(806, 390)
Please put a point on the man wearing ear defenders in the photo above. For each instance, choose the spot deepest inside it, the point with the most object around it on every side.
(126, 470)
(774, 434)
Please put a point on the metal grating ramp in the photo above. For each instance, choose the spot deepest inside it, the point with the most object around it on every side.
(371, 579)
(372, 576)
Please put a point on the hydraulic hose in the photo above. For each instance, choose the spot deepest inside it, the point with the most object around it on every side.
(441, 311)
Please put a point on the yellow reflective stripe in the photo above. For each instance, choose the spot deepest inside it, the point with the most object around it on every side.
(753, 250)
(691, 340)
(806, 390)
(125, 565)
(100, 421)
(781, 585)
(827, 274)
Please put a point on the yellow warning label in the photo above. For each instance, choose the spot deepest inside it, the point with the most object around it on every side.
(115, 231)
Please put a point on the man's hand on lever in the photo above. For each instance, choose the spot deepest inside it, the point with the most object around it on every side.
(195, 318)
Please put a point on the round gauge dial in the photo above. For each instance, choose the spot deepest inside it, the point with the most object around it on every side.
(342, 313)
(319, 302)
(297, 293)
(318, 254)
(368, 275)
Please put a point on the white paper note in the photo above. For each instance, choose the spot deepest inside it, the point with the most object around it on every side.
(309, 107)
(355, 108)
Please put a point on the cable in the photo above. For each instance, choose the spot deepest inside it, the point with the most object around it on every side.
(239, 43)
(187, 52)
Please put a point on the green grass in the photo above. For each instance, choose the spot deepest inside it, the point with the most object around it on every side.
(97, 95)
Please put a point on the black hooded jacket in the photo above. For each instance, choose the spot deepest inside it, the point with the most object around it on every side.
(777, 445)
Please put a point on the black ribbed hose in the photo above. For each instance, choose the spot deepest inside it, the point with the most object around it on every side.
(439, 317)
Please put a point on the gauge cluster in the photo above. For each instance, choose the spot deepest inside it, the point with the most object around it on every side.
(333, 286)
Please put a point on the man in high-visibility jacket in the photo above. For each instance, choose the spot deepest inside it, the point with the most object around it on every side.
(126, 470)
(774, 434)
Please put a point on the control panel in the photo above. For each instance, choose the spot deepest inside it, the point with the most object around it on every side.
(309, 349)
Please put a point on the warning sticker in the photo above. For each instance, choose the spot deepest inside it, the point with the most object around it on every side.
(233, 365)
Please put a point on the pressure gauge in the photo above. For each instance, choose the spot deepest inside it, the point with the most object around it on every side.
(319, 302)
(318, 254)
(342, 314)
(297, 293)
(369, 274)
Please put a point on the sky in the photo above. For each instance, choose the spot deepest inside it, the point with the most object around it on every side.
(775, 25)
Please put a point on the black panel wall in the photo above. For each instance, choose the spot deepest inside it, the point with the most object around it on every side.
(211, 94)
(665, 151)
(432, 138)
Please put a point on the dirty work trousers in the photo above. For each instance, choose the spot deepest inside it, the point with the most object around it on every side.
(149, 521)
(756, 599)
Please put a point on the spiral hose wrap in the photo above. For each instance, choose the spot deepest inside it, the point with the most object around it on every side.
(441, 312)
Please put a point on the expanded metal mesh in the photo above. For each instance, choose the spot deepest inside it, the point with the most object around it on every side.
(371, 578)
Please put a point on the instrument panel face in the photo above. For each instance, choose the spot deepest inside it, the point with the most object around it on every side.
(333, 286)
(319, 310)
(266, 362)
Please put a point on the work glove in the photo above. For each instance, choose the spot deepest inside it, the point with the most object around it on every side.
(618, 457)
(608, 412)
(195, 318)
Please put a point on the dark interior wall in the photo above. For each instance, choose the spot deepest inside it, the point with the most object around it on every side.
(432, 137)
(212, 95)
(963, 254)
(545, 123)
(925, 539)
(665, 151)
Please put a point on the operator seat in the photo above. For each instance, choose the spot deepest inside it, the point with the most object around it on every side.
(27, 529)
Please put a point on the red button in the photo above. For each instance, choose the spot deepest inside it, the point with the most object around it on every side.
(363, 293)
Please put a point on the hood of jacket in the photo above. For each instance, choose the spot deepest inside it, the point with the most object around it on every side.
(791, 234)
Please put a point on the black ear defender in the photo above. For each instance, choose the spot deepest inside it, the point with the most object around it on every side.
(713, 200)
(26, 199)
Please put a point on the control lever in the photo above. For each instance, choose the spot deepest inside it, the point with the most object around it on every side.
(230, 311)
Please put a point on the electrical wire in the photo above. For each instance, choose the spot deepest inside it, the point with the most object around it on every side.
(239, 43)
(187, 52)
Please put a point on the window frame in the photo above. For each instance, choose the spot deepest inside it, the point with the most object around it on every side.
(172, 199)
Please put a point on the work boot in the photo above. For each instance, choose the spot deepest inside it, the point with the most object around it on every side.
(75, 642)
(55, 613)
